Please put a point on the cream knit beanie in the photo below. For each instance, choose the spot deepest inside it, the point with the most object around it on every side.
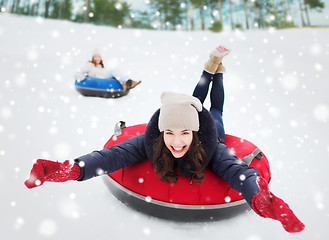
(179, 111)
(96, 52)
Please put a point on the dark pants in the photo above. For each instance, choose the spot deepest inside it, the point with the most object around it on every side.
(216, 98)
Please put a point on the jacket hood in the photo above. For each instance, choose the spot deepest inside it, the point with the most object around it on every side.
(207, 134)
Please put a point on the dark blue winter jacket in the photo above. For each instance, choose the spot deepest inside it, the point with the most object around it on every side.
(220, 158)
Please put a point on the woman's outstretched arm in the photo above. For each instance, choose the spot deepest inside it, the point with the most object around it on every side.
(90, 165)
(253, 188)
(111, 159)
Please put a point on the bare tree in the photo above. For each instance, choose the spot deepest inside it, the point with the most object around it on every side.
(47, 8)
(260, 9)
(86, 15)
(245, 7)
(301, 12)
(3, 3)
(231, 14)
(33, 8)
(284, 7)
(306, 13)
(220, 11)
(312, 4)
(15, 6)
(289, 8)
(199, 4)
(191, 17)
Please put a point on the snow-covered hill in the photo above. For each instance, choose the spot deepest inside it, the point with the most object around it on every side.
(276, 96)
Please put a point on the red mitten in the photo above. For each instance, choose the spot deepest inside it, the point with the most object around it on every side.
(45, 170)
(267, 205)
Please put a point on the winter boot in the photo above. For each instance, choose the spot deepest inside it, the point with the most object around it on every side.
(220, 69)
(134, 83)
(213, 65)
(129, 84)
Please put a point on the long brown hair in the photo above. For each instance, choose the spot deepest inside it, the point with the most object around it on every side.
(165, 164)
(95, 63)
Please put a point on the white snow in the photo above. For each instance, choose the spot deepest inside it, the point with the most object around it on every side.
(276, 96)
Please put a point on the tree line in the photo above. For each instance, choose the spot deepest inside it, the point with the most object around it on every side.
(172, 14)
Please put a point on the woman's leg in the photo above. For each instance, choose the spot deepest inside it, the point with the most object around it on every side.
(217, 102)
(216, 98)
(217, 92)
(214, 72)
(202, 88)
(212, 66)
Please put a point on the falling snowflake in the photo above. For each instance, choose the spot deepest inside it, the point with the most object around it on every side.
(55, 34)
(62, 150)
(37, 182)
(289, 82)
(321, 113)
(19, 223)
(252, 86)
(32, 55)
(254, 237)
(258, 117)
(69, 208)
(293, 123)
(318, 66)
(274, 112)
(315, 49)
(41, 109)
(227, 199)
(147, 231)
(80, 131)
(279, 62)
(318, 198)
(58, 77)
(53, 130)
(72, 196)
(21, 80)
(48, 227)
(99, 171)
(83, 143)
(39, 20)
(6, 113)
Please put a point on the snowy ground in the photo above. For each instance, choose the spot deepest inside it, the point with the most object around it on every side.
(276, 96)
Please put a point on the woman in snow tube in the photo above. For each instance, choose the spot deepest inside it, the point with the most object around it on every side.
(181, 136)
(94, 80)
(139, 187)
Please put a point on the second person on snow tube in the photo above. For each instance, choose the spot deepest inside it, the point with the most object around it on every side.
(95, 68)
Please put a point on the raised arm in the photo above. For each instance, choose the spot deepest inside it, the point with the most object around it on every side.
(235, 172)
(90, 165)
(253, 188)
(111, 159)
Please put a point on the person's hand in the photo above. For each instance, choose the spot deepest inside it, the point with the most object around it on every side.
(45, 170)
(267, 205)
(80, 76)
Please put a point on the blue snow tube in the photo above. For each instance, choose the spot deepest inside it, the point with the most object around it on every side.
(100, 87)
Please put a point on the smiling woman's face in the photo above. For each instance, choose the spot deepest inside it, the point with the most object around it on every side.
(178, 141)
(97, 59)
